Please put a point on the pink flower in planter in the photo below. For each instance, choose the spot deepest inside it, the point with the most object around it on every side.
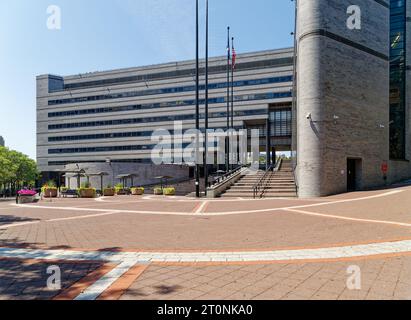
(27, 193)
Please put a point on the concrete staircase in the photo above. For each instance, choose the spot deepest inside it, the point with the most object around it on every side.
(279, 184)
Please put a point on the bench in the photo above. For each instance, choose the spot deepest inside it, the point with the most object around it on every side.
(69, 193)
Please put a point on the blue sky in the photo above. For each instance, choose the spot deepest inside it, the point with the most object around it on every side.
(109, 34)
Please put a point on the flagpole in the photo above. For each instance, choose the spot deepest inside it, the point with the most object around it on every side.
(206, 106)
(228, 102)
(197, 169)
(232, 90)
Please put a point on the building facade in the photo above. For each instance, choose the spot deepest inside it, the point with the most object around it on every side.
(351, 125)
(90, 118)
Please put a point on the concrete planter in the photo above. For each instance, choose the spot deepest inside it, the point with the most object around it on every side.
(137, 192)
(50, 193)
(87, 193)
(169, 192)
(122, 192)
(109, 192)
(26, 199)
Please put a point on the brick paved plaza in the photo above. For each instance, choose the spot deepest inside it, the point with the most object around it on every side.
(146, 247)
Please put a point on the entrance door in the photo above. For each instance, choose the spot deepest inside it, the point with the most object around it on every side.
(351, 175)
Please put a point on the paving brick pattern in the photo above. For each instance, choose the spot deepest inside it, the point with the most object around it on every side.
(386, 279)
(84, 224)
(27, 280)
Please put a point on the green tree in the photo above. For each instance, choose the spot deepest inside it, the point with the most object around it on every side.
(16, 169)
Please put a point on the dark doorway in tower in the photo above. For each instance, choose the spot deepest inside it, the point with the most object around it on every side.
(353, 174)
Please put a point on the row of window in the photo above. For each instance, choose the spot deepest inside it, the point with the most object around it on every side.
(180, 73)
(211, 144)
(262, 96)
(109, 96)
(152, 119)
(115, 135)
(66, 162)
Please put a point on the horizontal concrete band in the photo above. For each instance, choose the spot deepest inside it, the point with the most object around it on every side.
(383, 3)
(129, 259)
(333, 36)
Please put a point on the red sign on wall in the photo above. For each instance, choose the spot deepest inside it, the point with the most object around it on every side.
(384, 167)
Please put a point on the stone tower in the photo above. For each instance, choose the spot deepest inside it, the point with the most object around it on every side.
(343, 94)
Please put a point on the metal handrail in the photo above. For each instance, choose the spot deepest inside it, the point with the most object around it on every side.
(258, 185)
(224, 177)
(262, 183)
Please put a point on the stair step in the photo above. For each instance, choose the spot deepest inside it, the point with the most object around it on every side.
(247, 195)
(289, 187)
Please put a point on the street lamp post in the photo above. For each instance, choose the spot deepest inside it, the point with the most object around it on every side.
(108, 161)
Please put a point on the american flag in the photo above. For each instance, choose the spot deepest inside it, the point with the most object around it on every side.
(234, 57)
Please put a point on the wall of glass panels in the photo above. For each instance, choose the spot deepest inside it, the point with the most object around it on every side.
(397, 79)
(280, 120)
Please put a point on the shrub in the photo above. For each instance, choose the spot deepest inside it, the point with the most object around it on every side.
(158, 190)
(119, 186)
(169, 191)
(47, 187)
(50, 184)
(137, 188)
(26, 192)
(85, 185)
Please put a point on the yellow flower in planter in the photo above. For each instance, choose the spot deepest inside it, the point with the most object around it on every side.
(169, 191)
(137, 191)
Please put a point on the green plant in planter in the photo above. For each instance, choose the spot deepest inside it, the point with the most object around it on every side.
(169, 191)
(158, 191)
(85, 185)
(64, 189)
(49, 189)
(137, 191)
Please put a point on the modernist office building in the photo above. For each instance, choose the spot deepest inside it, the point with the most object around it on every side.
(351, 110)
(83, 120)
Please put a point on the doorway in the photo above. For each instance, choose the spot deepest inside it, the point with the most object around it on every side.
(353, 174)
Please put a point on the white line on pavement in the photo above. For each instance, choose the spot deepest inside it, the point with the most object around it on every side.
(200, 208)
(83, 217)
(269, 210)
(401, 224)
(102, 284)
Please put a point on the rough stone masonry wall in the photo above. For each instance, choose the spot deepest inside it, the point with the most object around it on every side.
(342, 73)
